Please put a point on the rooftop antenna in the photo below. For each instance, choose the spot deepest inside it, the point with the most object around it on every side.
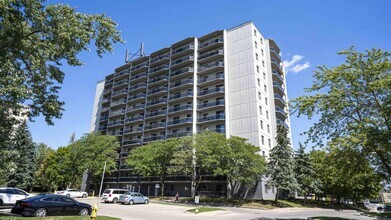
(139, 53)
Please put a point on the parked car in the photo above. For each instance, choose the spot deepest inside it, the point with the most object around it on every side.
(112, 195)
(50, 204)
(74, 193)
(132, 198)
(9, 195)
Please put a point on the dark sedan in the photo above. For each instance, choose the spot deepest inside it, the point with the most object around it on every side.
(44, 205)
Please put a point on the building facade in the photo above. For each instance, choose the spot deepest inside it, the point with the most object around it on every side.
(229, 81)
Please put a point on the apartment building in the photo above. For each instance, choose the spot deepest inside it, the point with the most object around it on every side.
(229, 81)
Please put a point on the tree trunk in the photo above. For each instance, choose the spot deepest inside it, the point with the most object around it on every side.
(305, 197)
(194, 173)
(229, 190)
(276, 199)
(162, 180)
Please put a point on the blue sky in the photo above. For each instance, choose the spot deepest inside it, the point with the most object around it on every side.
(312, 30)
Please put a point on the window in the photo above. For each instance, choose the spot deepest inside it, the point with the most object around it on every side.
(256, 56)
(263, 63)
(261, 124)
(260, 110)
(263, 140)
(257, 69)
(263, 153)
(261, 41)
(262, 52)
(264, 76)
(259, 95)
(267, 114)
(256, 44)
(255, 32)
(265, 88)
(268, 128)
(259, 82)
(265, 101)
(269, 142)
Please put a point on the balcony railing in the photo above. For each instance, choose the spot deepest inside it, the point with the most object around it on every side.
(122, 91)
(140, 66)
(211, 104)
(183, 82)
(280, 110)
(141, 85)
(181, 60)
(135, 118)
(102, 128)
(123, 82)
(209, 91)
(139, 129)
(117, 112)
(103, 118)
(220, 52)
(139, 106)
(122, 73)
(219, 130)
(157, 125)
(155, 113)
(154, 138)
(118, 133)
(155, 102)
(211, 65)
(212, 118)
(104, 109)
(280, 122)
(279, 97)
(115, 123)
(275, 52)
(180, 108)
(181, 95)
(136, 141)
(156, 69)
(105, 100)
(157, 79)
(138, 76)
(181, 71)
(276, 84)
(276, 73)
(179, 134)
(217, 76)
(160, 57)
(211, 42)
(161, 89)
(138, 96)
(277, 63)
(180, 121)
(120, 102)
(186, 47)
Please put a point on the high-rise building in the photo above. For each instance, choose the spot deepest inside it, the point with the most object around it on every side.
(229, 81)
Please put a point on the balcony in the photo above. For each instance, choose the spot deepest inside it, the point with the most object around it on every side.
(182, 61)
(278, 88)
(280, 122)
(122, 92)
(218, 42)
(205, 81)
(219, 130)
(121, 84)
(279, 100)
(105, 100)
(181, 96)
(277, 76)
(155, 126)
(140, 67)
(211, 67)
(180, 121)
(137, 97)
(179, 134)
(211, 105)
(181, 84)
(160, 59)
(156, 114)
(211, 118)
(107, 91)
(102, 128)
(122, 74)
(137, 87)
(188, 71)
(154, 138)
(180, 109)
(135, 108)
(109, 83)
(158, 91)
(159, 70)
(138, 77)
(211, 92)
(133, 130)
(280, 113)
(157, 102)
(118, 103)
(131, 142)
(124, 154)
(274, 51)
(276, 63)
(135, 118)
(182, 50)
(210, 56)
(116, 113)
(117, 133)
(115, 123)
(104, 109)
(158, 80)
(103, 118)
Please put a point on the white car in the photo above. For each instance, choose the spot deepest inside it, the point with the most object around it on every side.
(74, 193)
(112, 195)
(9, 195)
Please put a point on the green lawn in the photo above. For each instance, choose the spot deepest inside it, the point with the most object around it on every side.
(204, 209)
(8, 217)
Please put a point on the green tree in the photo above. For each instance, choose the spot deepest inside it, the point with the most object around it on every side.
(154, 159)
(353, 101)
(22, 143)
(42, 151)
(281, 164)
(90, 152)
(305, 173)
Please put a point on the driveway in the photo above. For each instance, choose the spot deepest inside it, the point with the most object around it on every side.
(178, 211)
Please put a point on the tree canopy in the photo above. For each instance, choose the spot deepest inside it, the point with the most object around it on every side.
(353, 101)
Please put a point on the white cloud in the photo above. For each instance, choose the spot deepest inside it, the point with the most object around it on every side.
(300, 67)
(293, 64)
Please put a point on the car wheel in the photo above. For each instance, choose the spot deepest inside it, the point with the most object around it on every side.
(131, 202)
(115, 200)
(69, 195)
(84, 196)
(83, 212)
(41, 212)
(146, 201)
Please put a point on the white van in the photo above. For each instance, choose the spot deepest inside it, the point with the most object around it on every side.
(112, 195)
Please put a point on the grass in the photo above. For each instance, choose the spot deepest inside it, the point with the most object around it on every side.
(10, 217)
(327, 218)
(381, 214)
(204, 209)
